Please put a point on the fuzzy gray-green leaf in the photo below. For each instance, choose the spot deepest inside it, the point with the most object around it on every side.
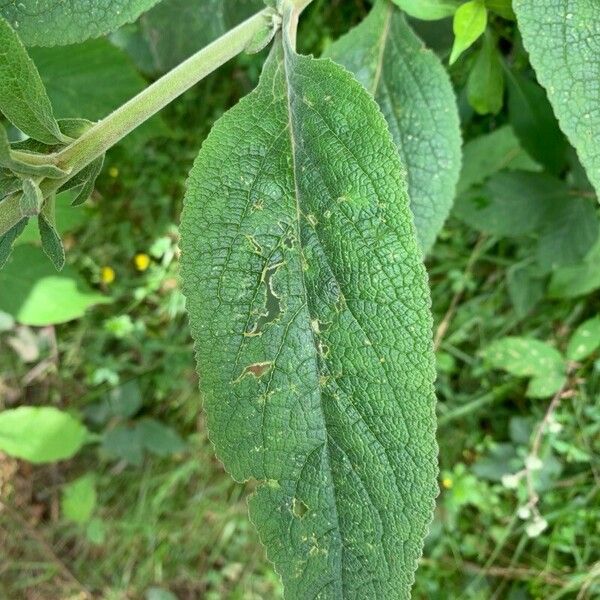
(310, 311)
(414, 93)
(23, 98)
(7, 240)
(85, 180)
(32, 198)
(9, 182)
(51, 242)
(563, 41)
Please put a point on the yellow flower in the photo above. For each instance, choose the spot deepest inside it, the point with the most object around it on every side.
(447, 482)
(113, 172)
(141, 261)
(107, 275)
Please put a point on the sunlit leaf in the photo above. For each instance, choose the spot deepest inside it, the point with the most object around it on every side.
(469, 23)
(40, 434)
(428, 9)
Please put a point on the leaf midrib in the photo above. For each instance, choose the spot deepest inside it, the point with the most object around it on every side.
(286, 52)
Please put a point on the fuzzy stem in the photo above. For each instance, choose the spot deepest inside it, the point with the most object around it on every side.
(106, 133)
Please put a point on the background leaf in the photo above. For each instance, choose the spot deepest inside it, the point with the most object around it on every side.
(40, 434)
(487, 154)
(502, 8)
(563, 41)
(428, 9)
(568, 232)
(585, 339)
(175, 29)
(158, 438)
(526, 287)
(577, 280)
(79, 499)
(511, 203)
(485, 86)
(52, 23)
(34, 293)
(314, 345)
(533, 120)
(526, 357)
(416, 97)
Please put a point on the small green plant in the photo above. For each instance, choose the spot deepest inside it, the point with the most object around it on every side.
(307, 215)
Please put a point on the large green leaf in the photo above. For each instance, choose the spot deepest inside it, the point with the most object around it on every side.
(563, 41)
(59, 22)
(310, 311)
(23, 99)
(414, 92)
(34, 293)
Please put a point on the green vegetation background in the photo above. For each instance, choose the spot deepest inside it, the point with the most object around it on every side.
(167, 521)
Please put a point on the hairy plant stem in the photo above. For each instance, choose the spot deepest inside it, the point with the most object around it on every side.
(106, 133)
(112, 129)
